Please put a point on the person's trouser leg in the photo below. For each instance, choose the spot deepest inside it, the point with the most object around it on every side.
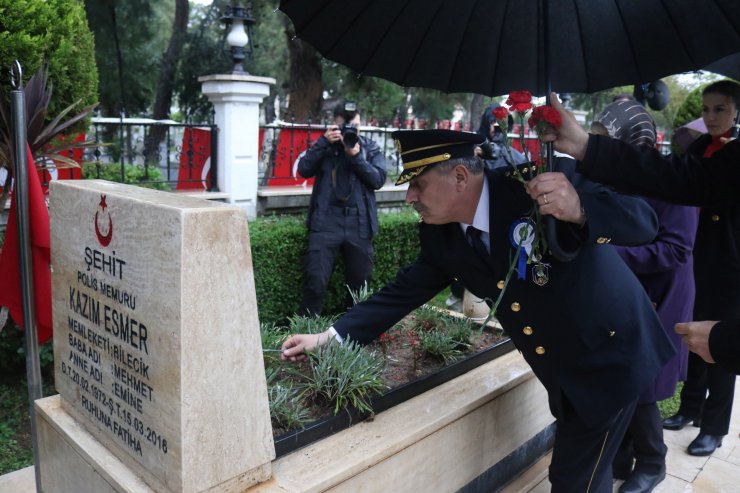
(317, 268)
(582, 455)
(718, 406)
(694, 389)
(358, 261)
(646, 429)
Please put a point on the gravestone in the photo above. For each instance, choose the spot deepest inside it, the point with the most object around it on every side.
(157, 350)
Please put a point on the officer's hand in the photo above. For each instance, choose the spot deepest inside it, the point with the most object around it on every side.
(295, 347)
(333, 135)
(556, 197)
(570, 138)
(478, 151)
(696, 337)
(352, 151)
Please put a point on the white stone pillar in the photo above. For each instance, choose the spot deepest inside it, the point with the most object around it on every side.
(236, 99)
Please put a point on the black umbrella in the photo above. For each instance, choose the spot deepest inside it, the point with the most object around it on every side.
(728, 66)
(495, 46)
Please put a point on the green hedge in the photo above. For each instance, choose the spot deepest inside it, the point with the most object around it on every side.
(279, 247)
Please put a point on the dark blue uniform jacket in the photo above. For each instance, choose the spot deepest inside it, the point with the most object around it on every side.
(590, 334)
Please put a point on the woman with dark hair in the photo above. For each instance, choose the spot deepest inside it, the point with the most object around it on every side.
(717, 274)
(665, 269)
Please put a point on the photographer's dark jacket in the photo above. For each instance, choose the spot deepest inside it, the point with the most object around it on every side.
(344, 182)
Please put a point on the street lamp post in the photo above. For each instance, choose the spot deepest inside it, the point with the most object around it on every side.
(239, 37)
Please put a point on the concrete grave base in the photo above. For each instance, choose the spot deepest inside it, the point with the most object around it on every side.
(473, 433)
(73, 460)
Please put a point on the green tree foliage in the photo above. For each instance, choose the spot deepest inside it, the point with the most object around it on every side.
(56, 32)
(130, 38)
(690, 108)
(204, 53)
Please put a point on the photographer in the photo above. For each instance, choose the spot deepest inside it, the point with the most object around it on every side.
(343, 213)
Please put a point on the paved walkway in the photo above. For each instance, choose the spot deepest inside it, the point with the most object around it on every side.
(718, 473)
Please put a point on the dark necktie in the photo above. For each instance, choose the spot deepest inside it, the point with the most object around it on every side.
(474, 238)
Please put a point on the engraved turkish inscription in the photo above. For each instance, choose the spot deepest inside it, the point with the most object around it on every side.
(112, 370)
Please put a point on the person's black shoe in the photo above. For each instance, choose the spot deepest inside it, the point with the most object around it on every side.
(642, 482)
(704, 444)
(678, 422)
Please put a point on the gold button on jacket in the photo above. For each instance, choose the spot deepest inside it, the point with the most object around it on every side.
(539, 350)
(500, 284)
(527, 330)
(715, 218)
(515, 307)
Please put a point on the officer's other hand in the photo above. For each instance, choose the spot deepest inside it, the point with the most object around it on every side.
(295, 347)
(570, 138)
(352, 151)
(556, 196)
(333, 135)
(696, 337)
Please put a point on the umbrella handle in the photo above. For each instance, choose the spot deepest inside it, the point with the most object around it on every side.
(554, 245)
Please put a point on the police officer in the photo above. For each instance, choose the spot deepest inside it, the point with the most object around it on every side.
(586, 327)
(343, 214)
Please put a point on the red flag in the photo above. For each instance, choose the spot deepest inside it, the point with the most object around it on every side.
(10, 277)
(197, 143)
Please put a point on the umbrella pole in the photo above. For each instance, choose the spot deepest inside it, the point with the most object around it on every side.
(33, 367)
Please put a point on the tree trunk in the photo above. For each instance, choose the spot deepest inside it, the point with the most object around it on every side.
(476, 109)
(306, 86)
(166, 83)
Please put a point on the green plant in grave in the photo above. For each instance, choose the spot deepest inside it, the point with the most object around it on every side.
(343, 375)
(362, 293)
(286, 409)
(429, 317)
(272, 337)
(300, 324)
(459, 329)
(439, 345)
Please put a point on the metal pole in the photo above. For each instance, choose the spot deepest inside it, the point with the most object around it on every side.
(33, 367)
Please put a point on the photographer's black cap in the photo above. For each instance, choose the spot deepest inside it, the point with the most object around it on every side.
(420, 149)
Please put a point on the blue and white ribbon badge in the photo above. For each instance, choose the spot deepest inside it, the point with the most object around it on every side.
(521, 235)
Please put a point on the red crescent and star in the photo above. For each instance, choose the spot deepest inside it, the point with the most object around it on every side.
(104, 240)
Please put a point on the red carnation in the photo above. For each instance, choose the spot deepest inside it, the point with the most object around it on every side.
(500, 113)
(519, 101)
(544, 117)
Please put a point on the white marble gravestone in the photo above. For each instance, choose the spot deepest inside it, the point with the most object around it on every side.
(157, 350)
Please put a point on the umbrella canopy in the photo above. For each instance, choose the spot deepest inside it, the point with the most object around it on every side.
(492, 47)
(728, 66)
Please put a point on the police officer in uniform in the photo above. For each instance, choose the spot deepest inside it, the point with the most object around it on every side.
(342, 216)
(586, 327)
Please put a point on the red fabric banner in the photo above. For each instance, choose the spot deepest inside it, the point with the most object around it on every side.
(197, 143)
(10, 276)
